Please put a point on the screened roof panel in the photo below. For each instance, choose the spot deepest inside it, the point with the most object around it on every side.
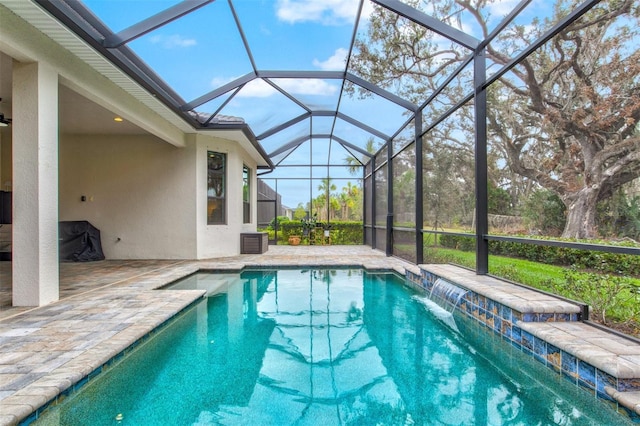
(382, 53)
(135, 11)
(273, 30)
(287, 135)
(215, 104)
(334, 173)
(454, 93)
(533, 21)
(322, 125)
(320, 150)
(202, 57)
(466, 19)
(300, 156)
(278, 158)
(375, 111)
(405, 137)
(340, 155)
(316, 94)
(357, 136)
(280, 110)
(290, 172)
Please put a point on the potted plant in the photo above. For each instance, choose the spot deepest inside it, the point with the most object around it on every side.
(294, 240)
(308, 225)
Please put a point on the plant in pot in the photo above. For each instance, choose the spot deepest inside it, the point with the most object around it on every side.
(294, 240)
(309, 225)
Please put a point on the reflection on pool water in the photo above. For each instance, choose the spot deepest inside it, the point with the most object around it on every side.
(323, 347)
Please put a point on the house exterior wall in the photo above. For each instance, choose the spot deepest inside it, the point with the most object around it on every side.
(148, 198)
(138, 191)
(223, 240)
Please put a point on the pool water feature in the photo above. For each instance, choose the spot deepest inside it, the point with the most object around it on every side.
(322, 346)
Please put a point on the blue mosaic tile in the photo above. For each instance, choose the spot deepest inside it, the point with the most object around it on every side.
(628, 385)
(516, 317)
(569, 365)
(473, 297)
(540, 350)
(516, 334)
(574, 317)
(530, 317)
(506, 313)
(545, 317)
(491, 305)
(489, 319)
(604, 379)
(527, 341)
(473, 310)
(587, 374)
(497, 324)
(482, 316)
(78, 385)
(563, 317)
(482, 301)
(554, 357)
(506, 330)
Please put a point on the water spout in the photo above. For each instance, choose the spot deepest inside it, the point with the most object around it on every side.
(442, 300)
(446, 294)
(442, 314)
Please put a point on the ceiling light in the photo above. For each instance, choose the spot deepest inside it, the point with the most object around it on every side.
(118, 119)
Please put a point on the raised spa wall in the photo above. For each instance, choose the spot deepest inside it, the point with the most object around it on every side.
(549, 329)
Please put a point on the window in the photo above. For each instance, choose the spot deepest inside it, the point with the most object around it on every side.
(246, 194)
(216, 188)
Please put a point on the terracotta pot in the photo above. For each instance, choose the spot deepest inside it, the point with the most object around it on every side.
(294, 240)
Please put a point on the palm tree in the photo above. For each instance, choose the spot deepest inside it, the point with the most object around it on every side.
(325, 189)
(347, 198)
(353, 163)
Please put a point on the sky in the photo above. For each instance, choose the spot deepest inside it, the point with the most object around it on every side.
(204, 50)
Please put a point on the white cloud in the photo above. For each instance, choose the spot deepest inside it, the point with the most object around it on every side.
(307, 87)
(259, 88)
(336, 62)
(173, 41)
(326, 12)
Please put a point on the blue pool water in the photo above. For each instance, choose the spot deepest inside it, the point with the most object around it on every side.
(323, 347)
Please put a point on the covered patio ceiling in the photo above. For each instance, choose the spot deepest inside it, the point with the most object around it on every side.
(309, 107)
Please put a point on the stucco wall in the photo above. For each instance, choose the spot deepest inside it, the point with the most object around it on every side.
(223, 240)
(137, 189)
(152, 195)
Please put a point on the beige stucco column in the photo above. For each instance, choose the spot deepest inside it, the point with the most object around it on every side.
(35, 184)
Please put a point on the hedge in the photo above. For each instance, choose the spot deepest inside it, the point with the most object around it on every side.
(613, 263)
(342, 233)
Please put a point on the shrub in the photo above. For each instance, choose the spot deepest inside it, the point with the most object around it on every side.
(279, 220)
(458, 242)
(342, 233)
(611, 263)
(610, 297)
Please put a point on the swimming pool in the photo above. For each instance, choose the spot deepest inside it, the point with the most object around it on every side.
(323, 346)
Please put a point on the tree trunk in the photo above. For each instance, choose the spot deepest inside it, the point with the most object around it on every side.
(581, 214)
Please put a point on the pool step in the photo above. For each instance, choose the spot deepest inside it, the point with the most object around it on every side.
(549, 329)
